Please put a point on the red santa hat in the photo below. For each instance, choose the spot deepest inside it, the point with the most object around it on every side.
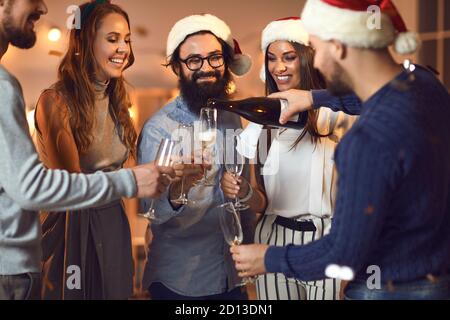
(351, 22)
(285, 29)
(206, 22)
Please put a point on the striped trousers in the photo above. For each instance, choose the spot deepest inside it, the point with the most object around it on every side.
(276, 286)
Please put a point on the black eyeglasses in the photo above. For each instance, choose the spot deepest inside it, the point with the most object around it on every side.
(195, 63)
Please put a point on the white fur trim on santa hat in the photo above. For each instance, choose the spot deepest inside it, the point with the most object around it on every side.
(284, 30)
(196, 23)
(207, 22)
(348, 26)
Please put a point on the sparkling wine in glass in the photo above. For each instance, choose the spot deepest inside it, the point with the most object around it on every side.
(207, 136)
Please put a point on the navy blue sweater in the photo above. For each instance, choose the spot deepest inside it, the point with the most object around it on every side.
(393, 202)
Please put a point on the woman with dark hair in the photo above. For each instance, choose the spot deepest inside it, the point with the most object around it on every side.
(83, 125)
(298, 176)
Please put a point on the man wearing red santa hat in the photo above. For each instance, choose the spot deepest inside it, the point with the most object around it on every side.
(187, 260)
(391, 229)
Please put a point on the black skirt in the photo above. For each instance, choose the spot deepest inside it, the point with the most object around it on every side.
(87, 254)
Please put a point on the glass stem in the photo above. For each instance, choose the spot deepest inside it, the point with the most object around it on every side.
(205, 174)
(182, 195)
(237, 202)
(151, 205)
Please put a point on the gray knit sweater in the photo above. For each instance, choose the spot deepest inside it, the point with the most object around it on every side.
(26, 186)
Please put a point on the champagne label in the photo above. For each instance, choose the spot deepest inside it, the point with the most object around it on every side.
(284, 107)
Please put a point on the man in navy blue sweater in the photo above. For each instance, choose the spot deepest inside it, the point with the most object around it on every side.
(392, 217)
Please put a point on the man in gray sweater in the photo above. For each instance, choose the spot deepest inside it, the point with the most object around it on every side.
(26, 186)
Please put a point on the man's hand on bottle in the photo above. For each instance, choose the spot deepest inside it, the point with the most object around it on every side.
(298, 100)
(152, 181)
(233, 187)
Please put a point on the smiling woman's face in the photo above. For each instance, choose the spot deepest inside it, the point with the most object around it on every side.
(112, 47)
(284, 65)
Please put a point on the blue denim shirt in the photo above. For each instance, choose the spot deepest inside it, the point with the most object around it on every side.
(188, 253)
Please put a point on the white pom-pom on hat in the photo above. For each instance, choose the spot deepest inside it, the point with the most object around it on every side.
(406, 43)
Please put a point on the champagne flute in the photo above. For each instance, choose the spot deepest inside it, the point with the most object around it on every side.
(183, 150)
(207, 136)
(230, 223)
(163, 159)
(234, 164)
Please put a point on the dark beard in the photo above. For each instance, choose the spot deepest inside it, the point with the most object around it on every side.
(196, 95)
(17, 37)
(337, 85)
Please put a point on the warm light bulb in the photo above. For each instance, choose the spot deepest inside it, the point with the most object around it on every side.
(54, 34)
(231, 88)
(30, 120)
(132, 112)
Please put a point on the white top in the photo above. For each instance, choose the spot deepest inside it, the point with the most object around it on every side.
(302, 181)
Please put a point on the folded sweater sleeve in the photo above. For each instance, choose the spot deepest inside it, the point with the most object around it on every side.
(349, 104)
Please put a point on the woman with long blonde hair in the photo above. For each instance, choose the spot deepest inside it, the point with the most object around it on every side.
(83, 125)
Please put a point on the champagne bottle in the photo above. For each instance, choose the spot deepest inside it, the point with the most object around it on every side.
(261, 110)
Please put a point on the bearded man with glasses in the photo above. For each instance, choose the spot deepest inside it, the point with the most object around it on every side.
(188, 257)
